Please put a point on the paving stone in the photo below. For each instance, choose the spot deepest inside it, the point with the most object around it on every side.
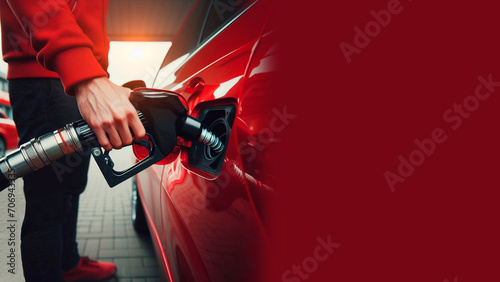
(149, 261)
(123, 253)
(106, 243)
(139, 272)
(96, 227)
(120, 243)
(134, 242)
(108, 229)
(81, 245)
(119, 230)
(120, 222)
(96, 235)
(83, 229)
(128, 262)
(91, 248)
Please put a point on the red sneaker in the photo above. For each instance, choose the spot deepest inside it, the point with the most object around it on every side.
(90, 270)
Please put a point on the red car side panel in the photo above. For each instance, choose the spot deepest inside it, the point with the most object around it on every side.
(210, 229)
(149, 182)
(8, 132)
(224, 237)
(155, 236)
(176, 241)
(261, 122)
(262, 119)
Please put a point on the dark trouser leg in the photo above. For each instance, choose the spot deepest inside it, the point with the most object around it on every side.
(48, 236)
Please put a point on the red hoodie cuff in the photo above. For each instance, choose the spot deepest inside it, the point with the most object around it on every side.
(76, 65)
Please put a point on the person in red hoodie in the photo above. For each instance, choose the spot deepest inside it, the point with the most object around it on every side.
(57, 55)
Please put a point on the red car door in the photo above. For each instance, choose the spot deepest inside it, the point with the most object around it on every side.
(211, 229)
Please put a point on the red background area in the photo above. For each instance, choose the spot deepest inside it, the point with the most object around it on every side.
(354, 120)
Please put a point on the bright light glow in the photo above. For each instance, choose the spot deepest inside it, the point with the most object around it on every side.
(130, 60)
(226, 86)
(137, 53)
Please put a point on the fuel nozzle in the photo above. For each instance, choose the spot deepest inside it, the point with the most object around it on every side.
(164, 114)
(192, 130)
(168, 118)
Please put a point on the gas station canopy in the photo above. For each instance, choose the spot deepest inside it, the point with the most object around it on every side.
(145, 20)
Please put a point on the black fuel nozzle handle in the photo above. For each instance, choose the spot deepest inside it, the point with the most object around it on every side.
(168, 118)
(114, 177)
(165, 118)
(88, 140)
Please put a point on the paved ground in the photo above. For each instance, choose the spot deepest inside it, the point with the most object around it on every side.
(105, 230)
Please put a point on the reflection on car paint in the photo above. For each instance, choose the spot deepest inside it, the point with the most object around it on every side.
(224, 87)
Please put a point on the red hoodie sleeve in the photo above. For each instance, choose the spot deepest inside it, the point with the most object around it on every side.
(60, 43)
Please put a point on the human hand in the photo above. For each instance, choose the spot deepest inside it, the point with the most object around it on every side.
(105, 106)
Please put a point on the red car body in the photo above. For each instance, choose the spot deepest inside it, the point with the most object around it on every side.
(8, 131)
(209, 227)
